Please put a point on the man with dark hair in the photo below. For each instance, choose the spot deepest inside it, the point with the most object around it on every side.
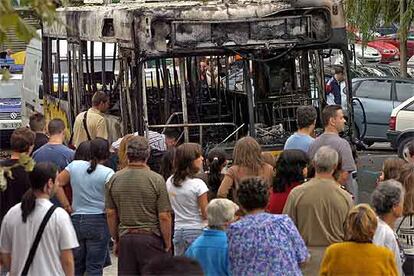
(138, 211)
(91, 124)
(37, 123)
(18, 182)
(56, 152)
(301, 140)
(333, 87)
(334, 123)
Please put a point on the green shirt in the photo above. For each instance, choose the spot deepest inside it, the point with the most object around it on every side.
(139, 195)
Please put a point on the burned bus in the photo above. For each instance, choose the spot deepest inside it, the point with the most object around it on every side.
(215, 70)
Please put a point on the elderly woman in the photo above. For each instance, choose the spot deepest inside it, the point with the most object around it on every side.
(211, 249)
(357, 255)
(262, 243)
(388, 201)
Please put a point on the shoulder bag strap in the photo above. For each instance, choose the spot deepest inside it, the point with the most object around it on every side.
(399, 225)
(85, 125)
(36, 242)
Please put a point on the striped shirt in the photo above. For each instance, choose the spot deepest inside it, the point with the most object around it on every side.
(139, 195)
(156, 140)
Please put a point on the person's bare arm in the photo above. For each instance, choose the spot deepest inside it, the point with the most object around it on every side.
(5, 260)
(225, 187)
(113, 222)
(63, 179)
(202, 203)
(68, 264)
(165, 227)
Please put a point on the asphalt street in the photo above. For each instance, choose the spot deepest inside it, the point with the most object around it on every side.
(369, 165)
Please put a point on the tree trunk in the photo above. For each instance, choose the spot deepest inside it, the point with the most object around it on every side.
(403, 41)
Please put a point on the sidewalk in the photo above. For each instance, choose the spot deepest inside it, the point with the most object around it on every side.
(113, 269)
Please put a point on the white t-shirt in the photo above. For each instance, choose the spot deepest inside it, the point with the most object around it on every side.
(16, 238)
(184, 201)
(385, 236)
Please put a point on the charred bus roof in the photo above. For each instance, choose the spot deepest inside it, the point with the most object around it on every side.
(168, 28)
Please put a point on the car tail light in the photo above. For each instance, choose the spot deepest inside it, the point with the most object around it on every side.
(392, 122)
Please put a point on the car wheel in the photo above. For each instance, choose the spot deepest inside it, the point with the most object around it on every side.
(402, 147)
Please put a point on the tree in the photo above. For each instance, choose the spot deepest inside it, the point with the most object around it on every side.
(365, 15)
(10, 18)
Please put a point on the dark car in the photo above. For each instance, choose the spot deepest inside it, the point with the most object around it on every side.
(377, 97)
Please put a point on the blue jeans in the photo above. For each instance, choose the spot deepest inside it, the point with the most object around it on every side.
(93, 236)
(183, 238)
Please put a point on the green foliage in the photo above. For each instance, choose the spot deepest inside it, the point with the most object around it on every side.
(10, 18)
(365, 15)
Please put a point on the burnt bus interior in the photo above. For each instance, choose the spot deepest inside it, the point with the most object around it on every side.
(238, 78)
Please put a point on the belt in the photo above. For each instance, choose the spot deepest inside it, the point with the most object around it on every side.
(138, 231)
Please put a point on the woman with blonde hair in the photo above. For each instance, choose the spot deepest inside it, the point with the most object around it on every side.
(358, 255)
(247, 162)
(122, 156)
(188, 196)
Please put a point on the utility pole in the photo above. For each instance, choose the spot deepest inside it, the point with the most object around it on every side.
(403, 40)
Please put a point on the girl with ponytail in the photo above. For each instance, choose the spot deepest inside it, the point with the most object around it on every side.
(88, 179)
(216, 161)
(40, 177)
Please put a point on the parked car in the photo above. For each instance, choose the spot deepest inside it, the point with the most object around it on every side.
(376, 98)
(388, 51)
(367, 53)
(401, 126)
(393, 39)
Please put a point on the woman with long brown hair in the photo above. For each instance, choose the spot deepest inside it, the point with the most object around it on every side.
(188, 196)
(247, 162)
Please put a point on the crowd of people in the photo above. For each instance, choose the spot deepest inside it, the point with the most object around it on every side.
(261, 215)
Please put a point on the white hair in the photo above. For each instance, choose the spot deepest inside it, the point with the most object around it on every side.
(325, 159)
(220, 211)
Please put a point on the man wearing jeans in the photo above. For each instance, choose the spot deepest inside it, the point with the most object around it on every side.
(138, 211)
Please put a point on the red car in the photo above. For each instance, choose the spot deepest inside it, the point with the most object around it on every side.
(392, 39)
(388, 51)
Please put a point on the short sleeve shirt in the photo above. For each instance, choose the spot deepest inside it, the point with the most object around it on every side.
(298, 141)
(17, 237)
(60, 155)
(342, 147)
(337, 143)
(184, 201)
(88, 190)
(265, 244)
(139, 195)
(96, 124)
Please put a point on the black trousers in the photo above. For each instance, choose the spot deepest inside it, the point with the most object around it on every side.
(136, 250)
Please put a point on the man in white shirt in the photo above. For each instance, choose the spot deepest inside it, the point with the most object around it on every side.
(20, 226)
